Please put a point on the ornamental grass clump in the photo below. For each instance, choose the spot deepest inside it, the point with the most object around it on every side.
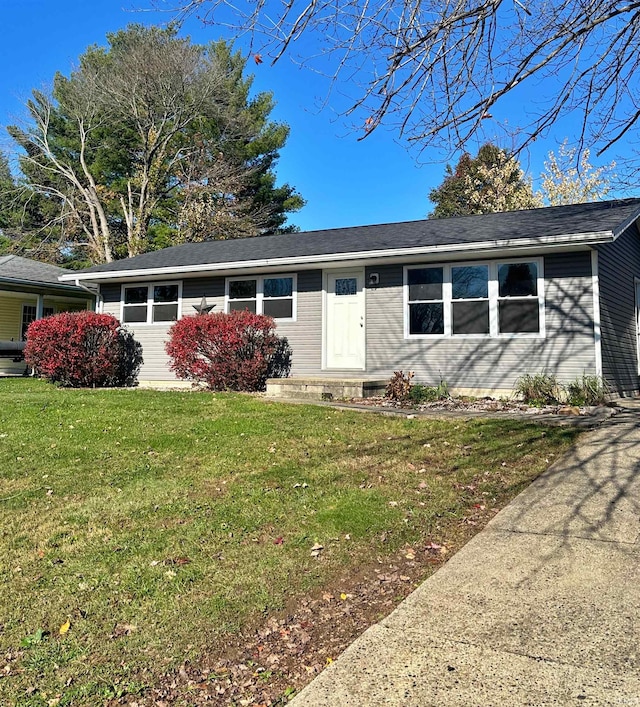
(588, 390)
(539, 389)
(236, 351)
(83, 349)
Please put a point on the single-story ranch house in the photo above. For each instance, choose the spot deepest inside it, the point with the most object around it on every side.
(30, 290)
(476, 301)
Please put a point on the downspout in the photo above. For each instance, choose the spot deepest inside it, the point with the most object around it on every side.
(597, 334)
(95, 293)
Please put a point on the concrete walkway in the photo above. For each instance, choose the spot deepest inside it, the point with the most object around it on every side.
(540, 608)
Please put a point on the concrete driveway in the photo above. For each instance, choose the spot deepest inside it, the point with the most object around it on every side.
(540, 608)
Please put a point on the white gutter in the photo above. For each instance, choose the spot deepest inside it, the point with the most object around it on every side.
(516, 244)
(93, 291)
(84, 287)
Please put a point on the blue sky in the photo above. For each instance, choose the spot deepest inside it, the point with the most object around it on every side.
(345, 182)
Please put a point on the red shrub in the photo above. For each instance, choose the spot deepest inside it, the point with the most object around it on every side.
(236, 351)
(83, 349)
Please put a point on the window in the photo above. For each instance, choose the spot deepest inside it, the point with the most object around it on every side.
(346, 286)
(155, 303)
(475, 299)
(243, 294)
(277, 297)
(273, 296)
(29, 314)
(470, 299)
(426, 303)
(518, 306)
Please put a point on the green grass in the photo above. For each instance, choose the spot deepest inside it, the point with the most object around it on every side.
(152, 520)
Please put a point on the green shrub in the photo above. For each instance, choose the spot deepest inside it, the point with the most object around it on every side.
(588, 390)
(539, 389)
(427, 393)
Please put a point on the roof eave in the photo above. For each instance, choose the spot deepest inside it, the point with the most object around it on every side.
(515, 244)
(58, 286)
(626, 223)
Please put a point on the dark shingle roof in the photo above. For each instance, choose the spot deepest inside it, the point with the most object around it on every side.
(532, 224)
(13, 267)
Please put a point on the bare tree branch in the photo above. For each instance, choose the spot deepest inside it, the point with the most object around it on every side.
(437, 69)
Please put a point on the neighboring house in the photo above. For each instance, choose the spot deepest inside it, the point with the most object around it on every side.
(476, 301)
(30, 290)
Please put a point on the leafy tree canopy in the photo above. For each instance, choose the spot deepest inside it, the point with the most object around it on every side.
(565, 183)
(153, 141)
(491, 181)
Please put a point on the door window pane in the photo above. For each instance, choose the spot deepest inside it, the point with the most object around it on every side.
(346, 286)
(470, 281)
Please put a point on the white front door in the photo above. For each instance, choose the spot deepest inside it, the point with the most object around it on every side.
(344, 319)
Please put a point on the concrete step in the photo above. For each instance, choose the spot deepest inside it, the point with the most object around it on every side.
(319, 388)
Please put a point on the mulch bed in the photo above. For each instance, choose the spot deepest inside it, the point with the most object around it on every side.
(486, 406)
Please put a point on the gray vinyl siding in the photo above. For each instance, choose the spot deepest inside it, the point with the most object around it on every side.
(568, 348)
(152, 337)
(304, 335)
(618, 264)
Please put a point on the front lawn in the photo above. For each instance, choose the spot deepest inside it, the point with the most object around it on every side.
(142, 531)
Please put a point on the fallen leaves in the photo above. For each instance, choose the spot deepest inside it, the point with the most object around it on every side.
(434, 548)
(64, 628)
(316, 550)
(123, 630)
(268, 665)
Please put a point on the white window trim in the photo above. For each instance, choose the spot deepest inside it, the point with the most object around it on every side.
(260, 293)
(150, 302)
(493, 299)
(22, 313)
(446, 297)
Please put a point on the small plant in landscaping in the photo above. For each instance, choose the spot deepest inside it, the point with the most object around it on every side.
(428, 394)
(399, 386)
(83, 349)
(539, 389)
(588, 390)
(235, 351)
